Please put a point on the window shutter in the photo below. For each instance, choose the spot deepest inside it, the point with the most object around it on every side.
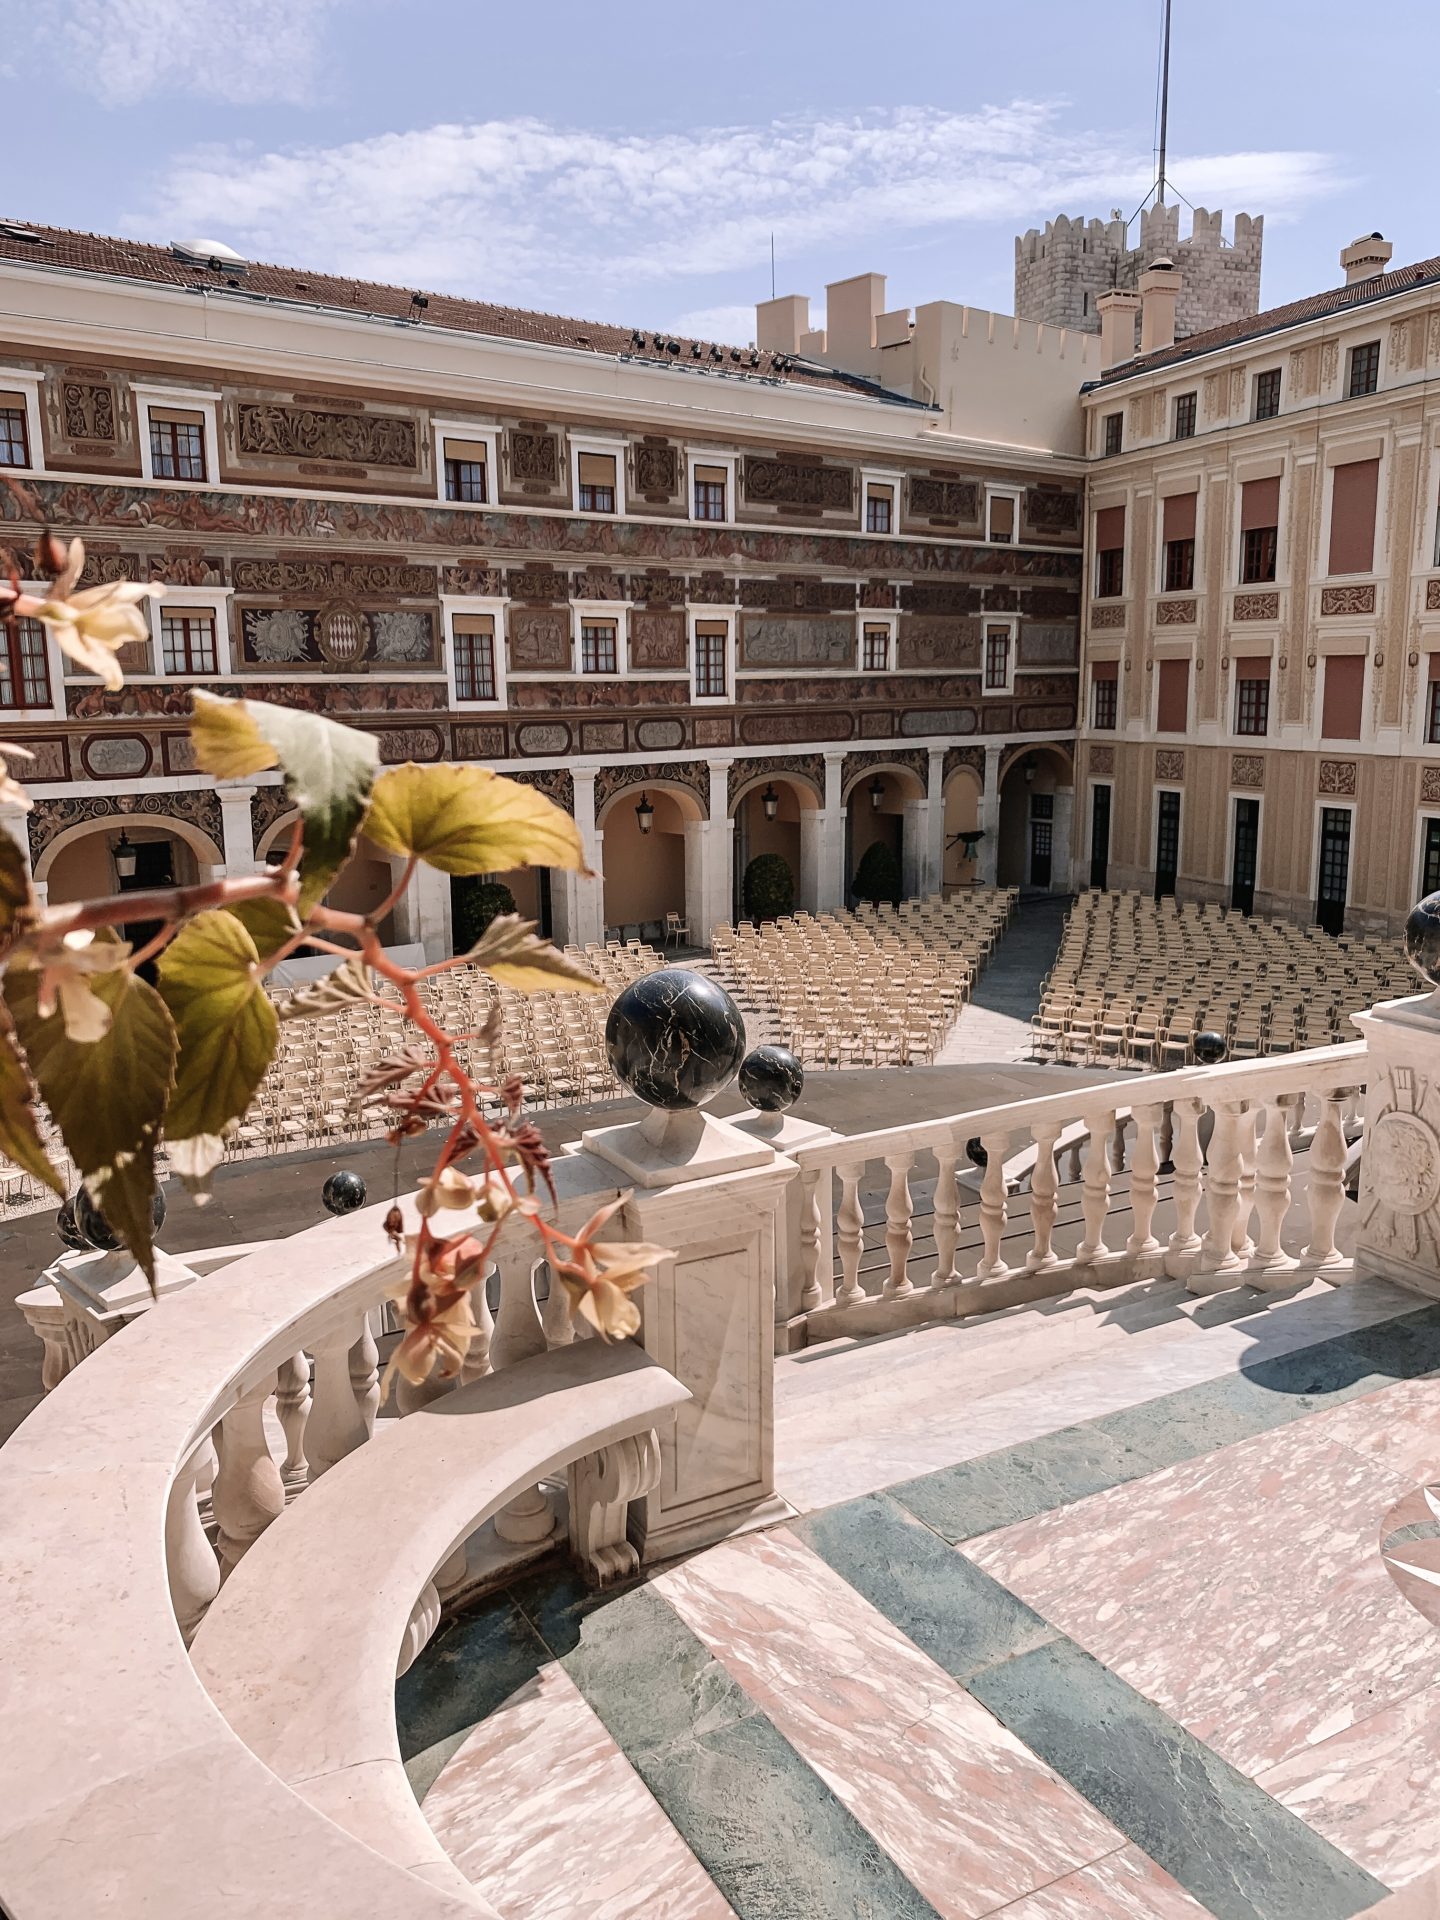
(477, 623)
(1109, 528)
(1002, 517)
(1352, 519)
(1105, 670)
(183, 417)
(1344, 691)
(597, 470)
(1255, 668)
(1434, 659)
(1179, 517)
(1174, 701)
(704, 476)
(1259, 504)
(472, 450)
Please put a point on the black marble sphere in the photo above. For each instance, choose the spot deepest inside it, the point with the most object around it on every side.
(91, 1227)
(343, 1192)
(771, 1079)
(675, 1037)
(1422, 939)
(66, 1228)
(976, 1154)
(1210, 1048)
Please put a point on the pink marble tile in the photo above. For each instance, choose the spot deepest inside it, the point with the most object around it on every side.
(1123, 1886)
(542, 1812)
(1397, 1428)
(1242, 1592)
(966, 1811)
(1373, 1788)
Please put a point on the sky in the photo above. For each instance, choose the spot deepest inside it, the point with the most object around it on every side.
(632, 162)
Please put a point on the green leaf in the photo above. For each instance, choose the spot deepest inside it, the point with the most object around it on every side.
(107, 1096)
(269, 923)
(511, 953)
(210, 981)
(329, 771)
(347, 986)
(15, 894)
(469, 820)
(19, 1134)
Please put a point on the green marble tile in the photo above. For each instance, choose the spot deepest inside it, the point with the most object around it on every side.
(999, 1489)
(474, 1663)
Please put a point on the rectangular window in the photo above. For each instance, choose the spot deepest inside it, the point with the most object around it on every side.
(1432, 701)
(14, 445)
(1267, 394)
(709, 493)
(1114, 433)
(1343, 702)
(1364, 369)
(1252, 696)
(597, 483)
(1000, 519)
(1172, 711)
(997, 659)
(187, 641)
(472, 641)
(879, 509)
(1430, 860)
(1185, 417)
(1178, 528)
(1110, 552)
(1104, 689)
(1167, 843)
(710, 643)
(465, 463)
(1354, 489)
(177, 444)
(24, 665)
(597, 647)
(875, 650)
(1257, 557)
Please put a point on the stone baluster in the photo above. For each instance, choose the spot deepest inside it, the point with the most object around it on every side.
(1218, 1259)
(338, 1422)
(1167, 1138)
(1184, 1245)
(1044, 1200)
(850, 1235)
(898, 1237)
(1144, 1165)
(190, 1562)
(365, 1375)
(812, 1292)
(1074, 1161)
(1326, 1190)
(1273, 1164)
(1117, 1144)
(248, 1492)
(556, 1320)
(1095, 1200)
(292, 1409)
(424, 1619)
(1245, 1200)
(947, 1215)
(519, 1335)
(992, 1207)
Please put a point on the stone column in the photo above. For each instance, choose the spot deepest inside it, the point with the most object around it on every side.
(812, 859)
(915, 848)
(988, 852)
(430, 898)
(717, 860)
(577, 900)
(237, 832)
(832, 867)
(935, 823)
(1061, 850)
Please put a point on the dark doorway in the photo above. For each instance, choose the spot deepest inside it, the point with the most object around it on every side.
(1246, 856)
(1430, 857)
(154, 867)
(547, 911)
(1042, 838)
(1167, 844)
(1334, 869)
(1099, 836)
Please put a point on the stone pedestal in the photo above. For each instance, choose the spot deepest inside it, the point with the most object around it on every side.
(85, 1298)
(1399, 1232)
(666, 1149)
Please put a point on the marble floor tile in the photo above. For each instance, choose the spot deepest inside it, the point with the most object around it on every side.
(1243, 1592)
(1398, 1428)
(1373, 1788)
(542, 1812)
(1122, 1886)
(970, 1816)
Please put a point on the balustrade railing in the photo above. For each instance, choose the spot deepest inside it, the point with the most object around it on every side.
(1214, 1146)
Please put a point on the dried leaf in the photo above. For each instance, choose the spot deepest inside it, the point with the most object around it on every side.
(19, 1133)
(512, 953)
(347, 986)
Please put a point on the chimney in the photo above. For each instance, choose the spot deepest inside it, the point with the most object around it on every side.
(1365, 257)
(1159, 290)
(780, 323)
(1117, 312)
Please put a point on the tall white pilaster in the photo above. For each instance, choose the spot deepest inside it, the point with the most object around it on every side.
(1061, 853)
(915, 848)
(577, 900)
(832, 862)
(237, 833)
(988, 851)
(935, 822)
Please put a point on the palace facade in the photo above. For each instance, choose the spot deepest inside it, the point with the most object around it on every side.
(715, 601)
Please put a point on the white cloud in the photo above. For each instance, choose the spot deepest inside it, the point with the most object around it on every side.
(528, 211)
(241, 51)
(734, 325)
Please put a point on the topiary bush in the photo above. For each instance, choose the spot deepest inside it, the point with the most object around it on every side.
(768, 887)
(474, 903)
(878, 875)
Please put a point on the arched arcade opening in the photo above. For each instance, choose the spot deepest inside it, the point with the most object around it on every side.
(877, 814)
(650, 860)
(1037, 795)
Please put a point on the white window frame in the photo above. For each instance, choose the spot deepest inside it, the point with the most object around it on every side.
(1340, 645)
(616, 610)
(1171, 489)
(1417, 858)
(710, 616)
(707, 457)
(204, 401)
(1166, 786)
(618, 450)
(1260, 648)
(888, 618)
(1340, 453)
(212, 600)
(1258, 470)
(1232, 795)
(27, 385)
(56, 663)
(993, 493)
(1270, 366)
(1185, 652)
(1334, 803)
(987, 621)
(485, 606)
(1087, 851)
(443, 430)
(879, 477)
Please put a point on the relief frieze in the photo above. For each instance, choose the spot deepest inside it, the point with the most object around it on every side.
(534, 458)
(276, 431)
(933, 642)
(326, 577)
(796, 640)
(1051, 510)
(798, 483)
(657, 640)
(88, 410)
(339, 635)
(944, 499)
(539, 637)
(657, 471)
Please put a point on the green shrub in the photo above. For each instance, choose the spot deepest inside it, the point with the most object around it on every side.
(769, 887)
(474, 903)
(878, 875)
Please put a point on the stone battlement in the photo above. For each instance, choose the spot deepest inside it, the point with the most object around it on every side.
(1061, 271)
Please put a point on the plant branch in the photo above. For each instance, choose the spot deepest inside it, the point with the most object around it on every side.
(165, 903)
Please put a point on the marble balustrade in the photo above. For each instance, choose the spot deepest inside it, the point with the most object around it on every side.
(1215, 1145)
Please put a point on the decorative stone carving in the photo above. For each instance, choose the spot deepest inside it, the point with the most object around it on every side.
(1302, 374)
(1399, 345)
(266, 427)
(602, 736)
(268, 805)
(658, 588)
(1102, 759)
(403, 634)
(1214, 396)
(798, 483)
(1337, 776)
(343, 636)
(1247, 770)
(486, 582)
(1329, 362)
(799, 596)
(1106, 619)
(599, 583)
(49, 761)
(657, 640)
(657, 471)
(915, 759)
(1135, 418)
(1169, 763)
(534, 457)
(1347, 599)
(1398, 1232)
(971, 757)
(1175, 613)
(808, 767)
(923, 642)
(713, 590)
(876, 724)
(877, 593)
(479, 742)
(996, 716)
(1048, 646)
(539, 637)
(1239, 381)
(368, 579)
(659, 736)
(1052, 510)
(275, 636)
(554, 782)
(776, 640)
(540, 737)
(1001, 598)
(88, 410)
(939, 597)
(398, 744)
(930, 720)
(1045, 719)
(713, 730)
(777, 729)
(541, 584)
(51, 817)
(1257, 606)
(1432, 596)
(693, 777)
(116, 756)
(944, 499)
